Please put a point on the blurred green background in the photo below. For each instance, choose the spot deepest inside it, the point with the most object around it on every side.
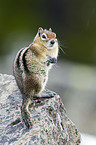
(74, 76)
(73, 21)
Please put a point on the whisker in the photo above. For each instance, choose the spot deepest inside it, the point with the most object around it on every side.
(62, 49)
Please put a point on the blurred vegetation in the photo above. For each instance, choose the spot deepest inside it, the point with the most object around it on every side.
(73, 21)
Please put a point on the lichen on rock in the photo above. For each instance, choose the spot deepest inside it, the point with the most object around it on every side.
(51, 125)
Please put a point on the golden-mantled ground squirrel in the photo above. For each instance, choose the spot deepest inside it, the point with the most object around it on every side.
(31, 68)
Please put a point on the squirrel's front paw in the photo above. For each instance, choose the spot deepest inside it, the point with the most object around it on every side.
(51, 60)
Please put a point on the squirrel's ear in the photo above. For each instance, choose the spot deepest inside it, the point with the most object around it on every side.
(40, 31)
(50, 29)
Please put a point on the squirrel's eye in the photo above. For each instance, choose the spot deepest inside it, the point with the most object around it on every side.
(44, 36)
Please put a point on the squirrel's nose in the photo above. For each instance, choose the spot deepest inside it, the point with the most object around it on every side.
(52, 42)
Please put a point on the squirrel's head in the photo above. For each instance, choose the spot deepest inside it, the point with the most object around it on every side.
(47, 39)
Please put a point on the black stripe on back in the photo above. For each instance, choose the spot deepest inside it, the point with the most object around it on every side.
(24, 62)
(18, 59)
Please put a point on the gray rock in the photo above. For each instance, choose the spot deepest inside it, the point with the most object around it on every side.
(51, 125)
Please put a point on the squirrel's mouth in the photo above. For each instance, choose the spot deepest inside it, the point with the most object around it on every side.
(52, 43)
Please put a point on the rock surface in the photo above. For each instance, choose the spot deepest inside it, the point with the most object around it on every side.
(51, 125)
